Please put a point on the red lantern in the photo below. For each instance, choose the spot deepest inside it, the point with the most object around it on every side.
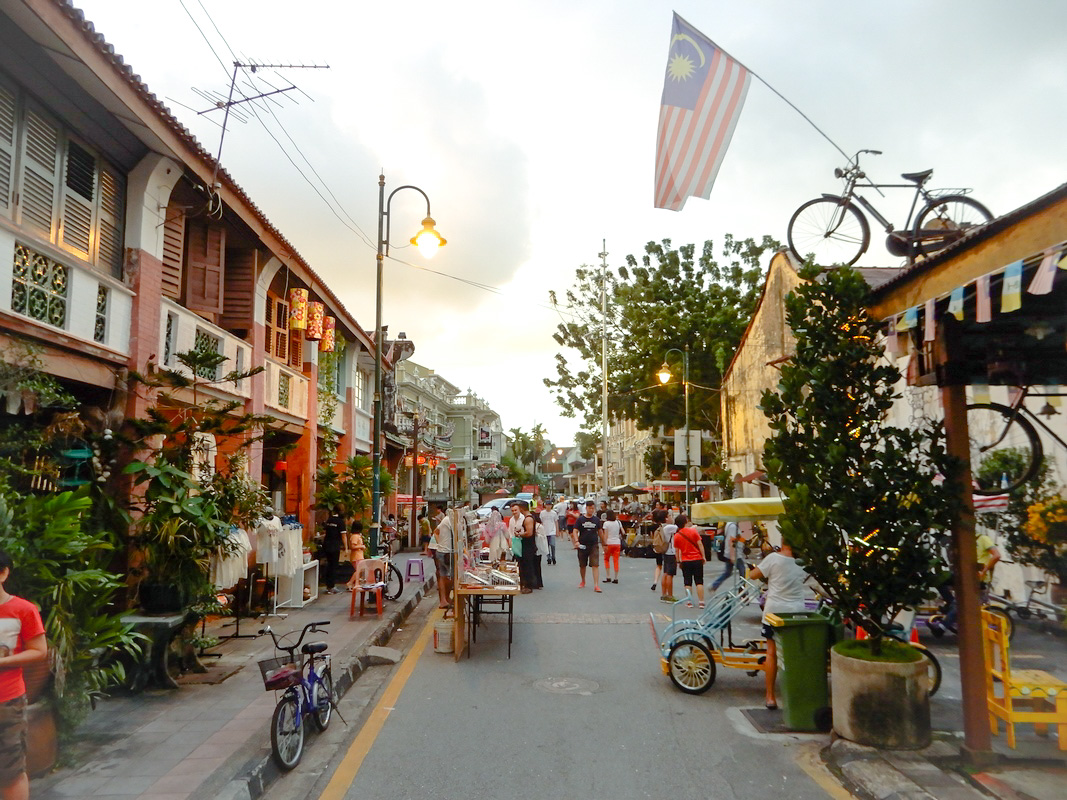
(280, 466)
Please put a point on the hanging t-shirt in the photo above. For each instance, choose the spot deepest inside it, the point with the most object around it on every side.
(20, 621)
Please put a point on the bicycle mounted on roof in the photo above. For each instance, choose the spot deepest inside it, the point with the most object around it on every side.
(835, 231)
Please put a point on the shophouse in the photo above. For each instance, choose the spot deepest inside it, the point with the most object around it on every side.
(478, 444)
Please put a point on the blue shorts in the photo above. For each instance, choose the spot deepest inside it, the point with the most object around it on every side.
(444, 563)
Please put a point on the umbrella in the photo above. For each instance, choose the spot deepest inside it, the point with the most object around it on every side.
(739, 509)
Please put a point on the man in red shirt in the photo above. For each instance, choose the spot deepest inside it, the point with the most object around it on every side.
(689, 549)
(21, 642)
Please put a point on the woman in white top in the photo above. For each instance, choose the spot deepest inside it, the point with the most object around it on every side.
(785, 594)
(612, 546)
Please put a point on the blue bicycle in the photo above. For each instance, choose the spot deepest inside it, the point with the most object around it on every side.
(306, 684)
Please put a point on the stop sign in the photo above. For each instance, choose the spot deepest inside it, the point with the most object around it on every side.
(675, 474)
(452, 469)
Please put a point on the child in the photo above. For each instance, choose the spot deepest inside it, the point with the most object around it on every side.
(356, 551)
(21, 642)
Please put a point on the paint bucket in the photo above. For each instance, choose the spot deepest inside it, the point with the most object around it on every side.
(442, 637)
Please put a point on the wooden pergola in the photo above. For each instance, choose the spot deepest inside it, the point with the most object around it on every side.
(989, 309)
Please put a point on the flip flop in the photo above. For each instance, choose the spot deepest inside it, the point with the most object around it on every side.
(596, 588)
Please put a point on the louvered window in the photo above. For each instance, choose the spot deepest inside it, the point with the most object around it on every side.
(279, 341)
(57, 188)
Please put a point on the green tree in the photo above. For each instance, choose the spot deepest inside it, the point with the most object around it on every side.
(862, 504)
(666, 298)
(587, 443)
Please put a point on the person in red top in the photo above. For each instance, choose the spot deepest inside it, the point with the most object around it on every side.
(689, 548)
(21, 642)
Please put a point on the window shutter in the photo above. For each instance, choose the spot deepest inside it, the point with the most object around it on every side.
(7, 149)
(296, 350)
(39, 179)
(205, 249)
(281, 331)
(78, 193)
(174, 251)
(109, 241)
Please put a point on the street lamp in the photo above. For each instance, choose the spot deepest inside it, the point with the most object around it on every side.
(664, 376)
(427, 240)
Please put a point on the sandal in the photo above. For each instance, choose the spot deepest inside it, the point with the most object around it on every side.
(701, 605)
(688, 604)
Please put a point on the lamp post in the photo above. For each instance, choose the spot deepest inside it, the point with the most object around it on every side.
(427, 240)
(664, 376)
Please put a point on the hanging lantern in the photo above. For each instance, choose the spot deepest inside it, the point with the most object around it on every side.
(328, 332)
(316, 314)
(298, 309)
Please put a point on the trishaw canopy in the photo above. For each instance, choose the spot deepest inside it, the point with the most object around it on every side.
(739, 509)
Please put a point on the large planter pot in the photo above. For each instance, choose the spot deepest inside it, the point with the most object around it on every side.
(161, 598)
(879, 703)
(40, 739)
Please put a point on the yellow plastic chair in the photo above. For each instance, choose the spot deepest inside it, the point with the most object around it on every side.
(1025, 695)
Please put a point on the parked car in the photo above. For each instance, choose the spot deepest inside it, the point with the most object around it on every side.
(501, 504)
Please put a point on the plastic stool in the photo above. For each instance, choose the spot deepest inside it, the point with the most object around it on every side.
(415, 568)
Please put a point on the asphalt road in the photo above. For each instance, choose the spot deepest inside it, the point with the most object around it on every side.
(581, 709)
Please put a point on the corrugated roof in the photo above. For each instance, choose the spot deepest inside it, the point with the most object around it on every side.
(126, 73)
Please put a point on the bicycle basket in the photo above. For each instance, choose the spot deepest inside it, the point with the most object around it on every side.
(279, 673)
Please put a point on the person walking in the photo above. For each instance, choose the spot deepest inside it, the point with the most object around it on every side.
(588, 532)
(550, 521)
(522, 525)
(333, 534)
(689, 548)
(571, 519)
(733, 552)
(670, 564)
(425, 532)
(785, 594)
(22, 642)
(659, 517)
(612, 546)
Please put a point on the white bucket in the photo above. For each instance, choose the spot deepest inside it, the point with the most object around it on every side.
(442, 637)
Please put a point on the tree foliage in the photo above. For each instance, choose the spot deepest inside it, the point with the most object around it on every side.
(666, 298)
(862, 504)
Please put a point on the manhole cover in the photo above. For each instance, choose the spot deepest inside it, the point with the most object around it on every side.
(567, 685)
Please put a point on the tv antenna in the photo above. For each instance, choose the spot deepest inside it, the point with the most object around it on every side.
(229, 107)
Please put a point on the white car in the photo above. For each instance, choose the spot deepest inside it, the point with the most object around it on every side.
(501, 504)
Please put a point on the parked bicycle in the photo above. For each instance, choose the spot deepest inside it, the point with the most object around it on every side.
(835, 230)
(391, 575)
(1033, 608)
(306, 683)
(995, 427)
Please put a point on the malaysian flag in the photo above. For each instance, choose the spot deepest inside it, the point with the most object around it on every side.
(703, 92)
(987, 504)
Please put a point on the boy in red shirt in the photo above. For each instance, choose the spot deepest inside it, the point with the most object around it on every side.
(689, 549)
(21, 642)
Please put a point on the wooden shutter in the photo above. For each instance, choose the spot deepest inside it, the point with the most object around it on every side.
(78, 194)
(277, 324)
(111, 213)
(40, 170)
(296, 350)
(240, 288)
(7, 150)
(205, 257)
(173, 250)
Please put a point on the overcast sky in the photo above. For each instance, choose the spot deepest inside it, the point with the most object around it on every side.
(531, 125)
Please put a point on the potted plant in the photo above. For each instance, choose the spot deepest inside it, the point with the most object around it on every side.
(865, 502)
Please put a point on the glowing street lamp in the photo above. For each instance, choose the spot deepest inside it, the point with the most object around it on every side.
(427, 240)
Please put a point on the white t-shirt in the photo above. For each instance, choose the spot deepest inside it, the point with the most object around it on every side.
(668, 531)
(443, 535)
(550, 521)
(785, 585)
(612, 531)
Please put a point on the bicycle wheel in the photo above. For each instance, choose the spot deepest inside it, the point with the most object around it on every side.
(946, 220)
(830, 229)
(933, 668)
(394, 583)
(287, 732)
(322, 700)
(1006, 451)
(691, 667)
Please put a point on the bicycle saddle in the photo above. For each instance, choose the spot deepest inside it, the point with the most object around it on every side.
(313, 647)
(918, 177)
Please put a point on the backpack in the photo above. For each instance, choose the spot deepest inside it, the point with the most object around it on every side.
(718, 544)
(659, 541)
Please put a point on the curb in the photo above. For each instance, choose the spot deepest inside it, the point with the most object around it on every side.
(249, 773)
(874, 774)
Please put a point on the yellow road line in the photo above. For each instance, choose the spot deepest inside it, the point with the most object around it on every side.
(808, 759)
(346, 771)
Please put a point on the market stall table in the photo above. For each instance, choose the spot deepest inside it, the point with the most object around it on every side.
(471, 601)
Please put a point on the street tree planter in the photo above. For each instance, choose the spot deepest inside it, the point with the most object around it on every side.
(881, 703)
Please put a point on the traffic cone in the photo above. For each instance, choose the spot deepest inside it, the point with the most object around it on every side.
(860, 634)
(914, 638)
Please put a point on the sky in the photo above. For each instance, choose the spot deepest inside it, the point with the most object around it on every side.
(531, 126)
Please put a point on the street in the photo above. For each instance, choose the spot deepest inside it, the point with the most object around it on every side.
(581, 709)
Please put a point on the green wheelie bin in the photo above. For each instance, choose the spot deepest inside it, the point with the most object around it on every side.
(803, 639)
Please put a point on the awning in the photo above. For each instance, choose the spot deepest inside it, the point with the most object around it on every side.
(739, 509)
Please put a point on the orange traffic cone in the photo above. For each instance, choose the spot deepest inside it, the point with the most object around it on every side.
(860, 633)
(914, 638)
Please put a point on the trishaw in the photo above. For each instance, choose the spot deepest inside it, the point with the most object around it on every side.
(690, 647)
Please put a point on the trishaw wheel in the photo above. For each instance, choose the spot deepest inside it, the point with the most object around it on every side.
(691, 667)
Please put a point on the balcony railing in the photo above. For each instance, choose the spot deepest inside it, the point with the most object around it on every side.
(181, 331)
(287, 390)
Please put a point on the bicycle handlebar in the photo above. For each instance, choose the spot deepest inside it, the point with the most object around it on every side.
(311, 626)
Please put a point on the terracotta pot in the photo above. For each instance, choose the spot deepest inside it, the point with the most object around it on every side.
(40, 739)
(37, 676)
(881, 704)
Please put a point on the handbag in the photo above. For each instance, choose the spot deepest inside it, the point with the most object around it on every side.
(542, 540)
(516, 546)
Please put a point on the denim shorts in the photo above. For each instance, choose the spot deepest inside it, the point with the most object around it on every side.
(444, 563)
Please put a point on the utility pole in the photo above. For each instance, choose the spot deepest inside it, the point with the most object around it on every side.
(604, 357)
(414, 538)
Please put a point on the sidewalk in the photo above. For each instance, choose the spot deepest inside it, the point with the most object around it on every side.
(213, 739)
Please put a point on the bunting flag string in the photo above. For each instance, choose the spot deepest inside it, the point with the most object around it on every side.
(955, 303)
(1046, 273)
(984, 309)
(1011, 295)
(929, 332)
